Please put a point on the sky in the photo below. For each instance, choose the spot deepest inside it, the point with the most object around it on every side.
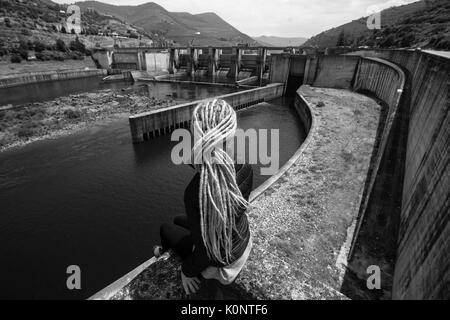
(284, 18)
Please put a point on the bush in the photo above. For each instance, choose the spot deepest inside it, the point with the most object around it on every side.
(444, 44)
(26, 32)
(47, 55)
(72, 114)
(59, 56)
(16, 58)
(77, 45)
(388, 42)
(28, 129)
(75, 55)
(407, 40)
(24, 45)
(61, 45)
(39, 46)
(40, 56)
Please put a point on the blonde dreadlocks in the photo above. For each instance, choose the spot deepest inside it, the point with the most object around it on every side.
(220, 199)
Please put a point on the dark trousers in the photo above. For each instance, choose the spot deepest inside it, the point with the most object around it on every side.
(177, 237)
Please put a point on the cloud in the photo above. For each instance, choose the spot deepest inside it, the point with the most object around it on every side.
(286, 18)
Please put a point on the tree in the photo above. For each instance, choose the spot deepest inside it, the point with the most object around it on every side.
(38, 46)
(61, 45)
(341, 39)
(77, 45)
(16, 58)
(408, 40)
(63, 30)
(388, 42)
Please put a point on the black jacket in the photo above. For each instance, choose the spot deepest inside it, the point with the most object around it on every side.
(198, 260)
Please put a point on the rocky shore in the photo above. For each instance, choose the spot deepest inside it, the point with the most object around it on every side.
(36, 121)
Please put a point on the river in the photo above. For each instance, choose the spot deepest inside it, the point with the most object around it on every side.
(95, 200)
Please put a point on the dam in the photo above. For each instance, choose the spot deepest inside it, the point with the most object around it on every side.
(392, 212)
(125, 191)
(400, 220)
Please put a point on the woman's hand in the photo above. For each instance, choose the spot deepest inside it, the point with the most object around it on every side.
(190, 285)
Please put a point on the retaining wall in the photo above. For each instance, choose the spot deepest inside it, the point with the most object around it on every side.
(335, 71)
(422, 262)
(422, 269)
(154, 123)
(375, 237)
(49, 76)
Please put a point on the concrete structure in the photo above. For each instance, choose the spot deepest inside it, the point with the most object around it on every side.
(403, 218)
(163, 271)
(234, 62)
(34, 77)
(161, 121)
(422, 262)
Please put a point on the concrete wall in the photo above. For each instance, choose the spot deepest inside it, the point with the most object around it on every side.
(422, 262)
(422, 269)
(49, 76)
(126, 60)
(104, 58)
(279, 68)
(157, 61)
(146, 125)
(375, 237)
(335, 71)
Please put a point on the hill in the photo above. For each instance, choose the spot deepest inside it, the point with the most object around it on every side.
(181, 27)
(424, 23)
(272, 41)
(43, 22)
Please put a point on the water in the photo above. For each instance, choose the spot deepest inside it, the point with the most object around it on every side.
(44, 91)
(95, 200)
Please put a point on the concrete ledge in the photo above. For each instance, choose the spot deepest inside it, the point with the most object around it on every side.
(146, 125)
(14, 80)
(375, 238)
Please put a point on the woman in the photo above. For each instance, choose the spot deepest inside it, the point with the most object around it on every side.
(213, 238)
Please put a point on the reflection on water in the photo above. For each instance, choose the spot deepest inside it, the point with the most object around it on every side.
(44, 91)
(95, 200)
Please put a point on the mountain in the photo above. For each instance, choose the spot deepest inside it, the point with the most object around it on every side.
(182, 27)
(44, 21)
(271, 41)
(424, 23)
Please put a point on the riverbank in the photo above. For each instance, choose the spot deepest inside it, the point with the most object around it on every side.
(17, 74)
(8, 69)
(302, 225)
(65, 115)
